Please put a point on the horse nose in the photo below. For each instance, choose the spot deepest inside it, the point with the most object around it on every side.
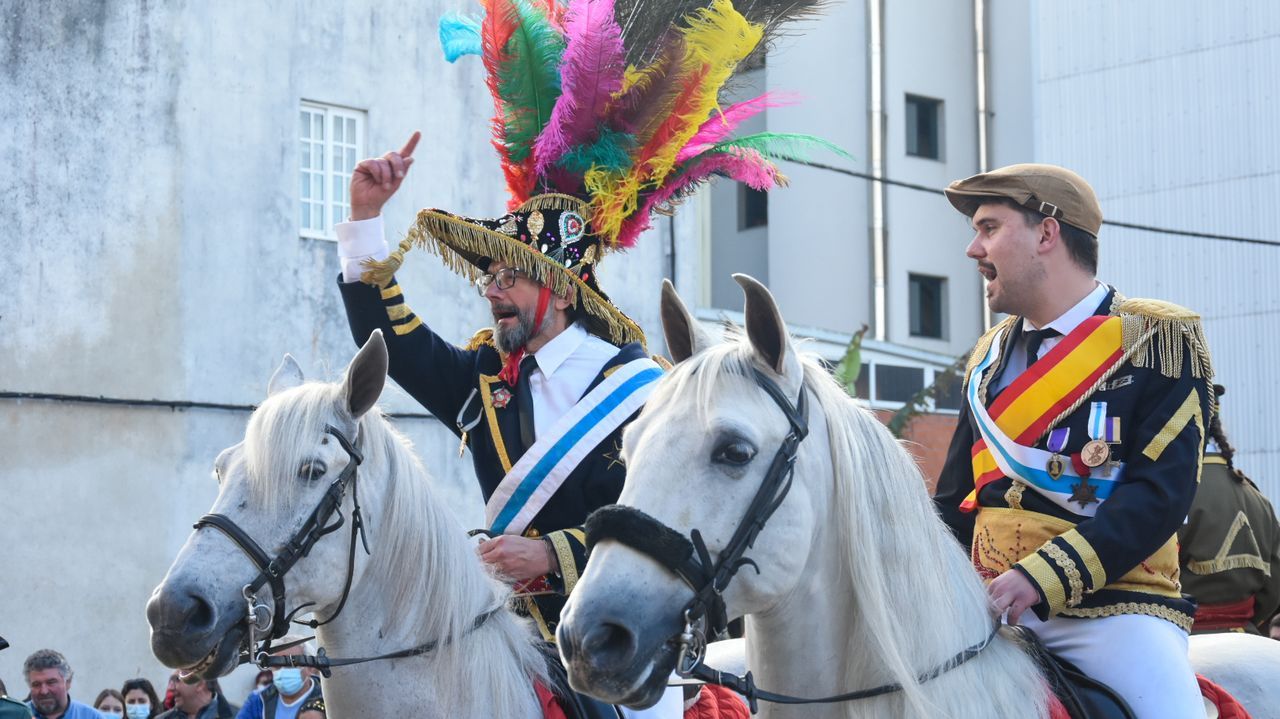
(184, 612)
(610, 646)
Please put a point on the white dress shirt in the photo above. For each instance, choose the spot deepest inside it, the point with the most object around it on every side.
(1071, 319)
(566, 365)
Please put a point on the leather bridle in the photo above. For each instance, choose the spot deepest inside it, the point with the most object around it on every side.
(688, 558)
(261, 619)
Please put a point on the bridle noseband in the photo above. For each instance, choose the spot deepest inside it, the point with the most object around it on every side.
(262, 620)
(688, 558)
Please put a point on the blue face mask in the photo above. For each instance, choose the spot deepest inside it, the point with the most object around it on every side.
(287, 679)
(138, 711)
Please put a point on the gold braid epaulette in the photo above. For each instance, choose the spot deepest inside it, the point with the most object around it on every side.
(983, 346)
(1167, 331)
(480, 339)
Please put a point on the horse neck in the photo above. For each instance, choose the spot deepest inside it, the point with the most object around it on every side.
(485, 672)
(923, 590)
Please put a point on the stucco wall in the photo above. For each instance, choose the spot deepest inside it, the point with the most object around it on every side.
(149, 200)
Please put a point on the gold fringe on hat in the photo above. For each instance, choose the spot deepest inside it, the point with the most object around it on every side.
(449, 237)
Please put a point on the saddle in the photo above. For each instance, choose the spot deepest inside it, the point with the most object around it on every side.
(1082, 696)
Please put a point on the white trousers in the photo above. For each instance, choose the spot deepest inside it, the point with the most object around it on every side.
(670, 706)
(1144, 659)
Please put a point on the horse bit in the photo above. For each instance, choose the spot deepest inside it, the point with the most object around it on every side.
(689, 559)
(261, 619)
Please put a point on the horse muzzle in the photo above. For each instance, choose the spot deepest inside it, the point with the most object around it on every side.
(192, 633)
(609, 659)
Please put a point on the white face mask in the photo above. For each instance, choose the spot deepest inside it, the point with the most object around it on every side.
(113, 711)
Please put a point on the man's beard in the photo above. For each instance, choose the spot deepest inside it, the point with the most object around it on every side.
(510, 340)
(48, 705)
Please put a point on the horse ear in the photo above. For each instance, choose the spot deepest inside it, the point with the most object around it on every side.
(685, 337)
(286, 376)
(765, 328)
(366, 375)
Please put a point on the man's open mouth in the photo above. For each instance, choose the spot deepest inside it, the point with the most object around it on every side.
(503, 313)
(987, 271)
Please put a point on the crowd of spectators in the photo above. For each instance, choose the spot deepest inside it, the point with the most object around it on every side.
(286, 693)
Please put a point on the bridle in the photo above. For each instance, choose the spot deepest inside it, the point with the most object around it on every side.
(261, 619)
(688, 558)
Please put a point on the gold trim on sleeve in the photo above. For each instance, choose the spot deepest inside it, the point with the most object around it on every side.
(1047, 579)
(1068, 565)
(390, 292)
(407, 327)
(398, 311)
(564, 555)
(1189, 410)
(1097, 574)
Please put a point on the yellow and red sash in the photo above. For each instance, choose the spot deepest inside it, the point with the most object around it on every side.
(1023, 411)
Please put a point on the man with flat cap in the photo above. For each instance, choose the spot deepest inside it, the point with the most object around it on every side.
(1080, 441)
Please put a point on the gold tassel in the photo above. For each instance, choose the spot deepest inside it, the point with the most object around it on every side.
(480, 339)
(1173, 331)
(554, 201)
(380, 272)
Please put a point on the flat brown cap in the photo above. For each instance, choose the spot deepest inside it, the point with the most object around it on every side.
(1048, 189)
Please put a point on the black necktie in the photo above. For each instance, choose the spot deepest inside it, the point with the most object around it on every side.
(1034, 340)
(524, 400)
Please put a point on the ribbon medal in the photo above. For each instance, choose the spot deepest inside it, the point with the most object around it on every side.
(1057, 443)
(1096, 452)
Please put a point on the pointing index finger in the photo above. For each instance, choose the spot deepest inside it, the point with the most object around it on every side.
(407, 150)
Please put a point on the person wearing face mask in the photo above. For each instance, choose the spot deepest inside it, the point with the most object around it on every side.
(140, 700)
(109, 701)
(290, 688)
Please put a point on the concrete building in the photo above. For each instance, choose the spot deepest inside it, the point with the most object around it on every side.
(173, 173)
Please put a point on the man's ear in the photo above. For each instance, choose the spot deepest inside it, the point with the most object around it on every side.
(1050, 235)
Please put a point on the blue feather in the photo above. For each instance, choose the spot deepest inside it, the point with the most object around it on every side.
(459, 35)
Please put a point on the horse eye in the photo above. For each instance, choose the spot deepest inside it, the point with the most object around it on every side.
(734, 453)
(311, 471)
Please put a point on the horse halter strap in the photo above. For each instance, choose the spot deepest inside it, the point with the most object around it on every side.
(272, 570)
(689, 558)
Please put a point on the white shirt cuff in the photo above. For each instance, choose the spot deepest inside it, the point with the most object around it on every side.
(358, 241)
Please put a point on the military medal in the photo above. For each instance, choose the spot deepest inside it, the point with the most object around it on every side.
(1057, 442)
(1096, 452)
(1084, 493)
(501, 397)
(1113, 440)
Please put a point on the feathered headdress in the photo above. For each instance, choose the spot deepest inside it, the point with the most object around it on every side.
(605, 113)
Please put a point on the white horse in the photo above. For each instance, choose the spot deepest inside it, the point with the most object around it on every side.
(859, 585)
(421, 583)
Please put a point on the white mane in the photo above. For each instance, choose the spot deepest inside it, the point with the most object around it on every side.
(432, 582)
(915, 599)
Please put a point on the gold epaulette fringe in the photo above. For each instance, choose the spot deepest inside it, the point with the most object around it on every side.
(1165, 331)
(983, 346)
(663, 362)
(480, 339)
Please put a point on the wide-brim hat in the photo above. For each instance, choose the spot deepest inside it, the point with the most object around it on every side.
(547, 236)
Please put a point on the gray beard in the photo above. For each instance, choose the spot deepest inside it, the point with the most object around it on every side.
(509, 341)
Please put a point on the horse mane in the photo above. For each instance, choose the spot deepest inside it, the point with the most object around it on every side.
(915, 596)
(408, 528)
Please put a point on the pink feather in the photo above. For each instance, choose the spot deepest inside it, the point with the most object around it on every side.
(746, 166)
(722, 124)
(591, 72)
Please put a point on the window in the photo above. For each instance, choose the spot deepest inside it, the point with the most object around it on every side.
(330, 142)
(897, 384)
(753, 208)
(924, 127)
(928, 305)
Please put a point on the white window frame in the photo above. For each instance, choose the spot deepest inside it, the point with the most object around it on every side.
(333, 177)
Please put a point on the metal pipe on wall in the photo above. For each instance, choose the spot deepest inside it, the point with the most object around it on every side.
(876, 124)
(984, 155)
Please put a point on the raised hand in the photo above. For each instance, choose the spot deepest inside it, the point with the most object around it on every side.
(376, 179)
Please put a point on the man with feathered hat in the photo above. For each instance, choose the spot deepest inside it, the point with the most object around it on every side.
(1080, 442)
(596, 130)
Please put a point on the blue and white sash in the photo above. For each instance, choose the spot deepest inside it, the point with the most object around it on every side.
(544, 467)
(1028, 463)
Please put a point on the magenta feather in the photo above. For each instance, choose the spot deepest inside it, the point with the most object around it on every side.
(591, 72)
(722, 124)
(746, 166)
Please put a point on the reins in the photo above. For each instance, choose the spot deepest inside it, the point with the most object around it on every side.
(688, 558)
(261, 619)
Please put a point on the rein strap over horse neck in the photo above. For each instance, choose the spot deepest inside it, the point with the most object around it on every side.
(689, 559)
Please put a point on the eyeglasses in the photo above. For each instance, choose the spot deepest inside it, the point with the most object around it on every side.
(505, 278)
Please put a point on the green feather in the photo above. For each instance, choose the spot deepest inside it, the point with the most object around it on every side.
(781, 146)
(611, 151)
(529, 81)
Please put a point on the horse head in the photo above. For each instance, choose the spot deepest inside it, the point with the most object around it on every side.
(272, 487)
(697, 458)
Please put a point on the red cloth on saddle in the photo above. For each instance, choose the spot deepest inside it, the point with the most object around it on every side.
(1056, 709)
(717, 702)
(551, 708)
(1233, 615)
(1228, 707)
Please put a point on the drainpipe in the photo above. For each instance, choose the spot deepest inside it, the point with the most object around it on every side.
(984, 152)
(879, 299)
